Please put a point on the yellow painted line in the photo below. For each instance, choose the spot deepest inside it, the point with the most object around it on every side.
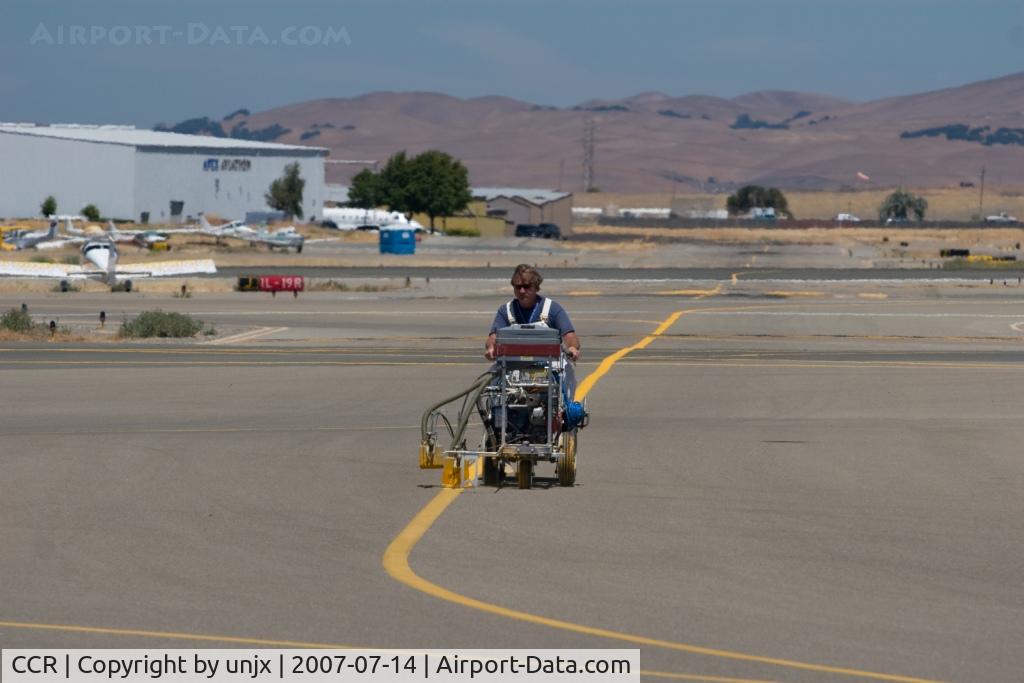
(787, 294)
(687, 292)
(694, 677)
(877, 365)
(584, 387)
(92, 630)
(396, 563)
(584, 293)
(173, 635)
(872, 295)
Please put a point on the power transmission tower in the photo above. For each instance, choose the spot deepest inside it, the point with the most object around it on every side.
(588, 154)
(981, 196)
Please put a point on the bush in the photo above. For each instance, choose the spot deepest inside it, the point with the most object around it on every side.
(160, 324)
(91, 212)
(463, 232)
(17, 321)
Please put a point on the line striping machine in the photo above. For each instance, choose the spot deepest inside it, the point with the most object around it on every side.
(526, 413)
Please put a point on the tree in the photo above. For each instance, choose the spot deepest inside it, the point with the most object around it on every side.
(285, 193)
(367, 190)
(91, 212)
(751, 196)
(899, 204)
(395, 179)
(439, 185)
(433, 183)
(49, 206)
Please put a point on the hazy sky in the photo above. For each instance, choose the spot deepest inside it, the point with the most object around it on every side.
(143, 61)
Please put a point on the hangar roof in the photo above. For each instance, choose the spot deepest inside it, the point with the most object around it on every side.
(157, 140)
(534, 196)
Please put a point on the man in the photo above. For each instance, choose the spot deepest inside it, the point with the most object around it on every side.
(529, 306)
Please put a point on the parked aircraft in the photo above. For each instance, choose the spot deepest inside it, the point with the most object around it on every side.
(233, 229)
(350, 219)
(100, 261)
(31, 239)
(284, 238)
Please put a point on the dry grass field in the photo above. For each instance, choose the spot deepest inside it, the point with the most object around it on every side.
(951, 203)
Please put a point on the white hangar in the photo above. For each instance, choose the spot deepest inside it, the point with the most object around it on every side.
(146, 176)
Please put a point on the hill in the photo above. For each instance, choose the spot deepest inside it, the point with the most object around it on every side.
(659, 143)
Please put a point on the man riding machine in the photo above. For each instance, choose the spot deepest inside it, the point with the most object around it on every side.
(524, 401)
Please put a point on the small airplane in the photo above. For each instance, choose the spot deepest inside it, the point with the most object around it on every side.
(29, 240)
(353, 219)
(284, 238)
(237, 229)
(151, 239)
(102, 255)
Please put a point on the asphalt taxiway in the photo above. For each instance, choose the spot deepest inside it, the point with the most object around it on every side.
(789, 484)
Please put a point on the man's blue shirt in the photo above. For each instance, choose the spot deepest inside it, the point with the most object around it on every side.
(557, 317)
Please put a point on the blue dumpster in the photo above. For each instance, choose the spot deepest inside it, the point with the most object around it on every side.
(397, 240)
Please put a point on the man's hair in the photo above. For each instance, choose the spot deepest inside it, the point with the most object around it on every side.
(528, 275)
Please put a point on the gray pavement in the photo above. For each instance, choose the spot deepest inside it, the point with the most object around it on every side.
(825, 477)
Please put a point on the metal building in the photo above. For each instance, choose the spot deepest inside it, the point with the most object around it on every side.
(146, 176)
(522, 205)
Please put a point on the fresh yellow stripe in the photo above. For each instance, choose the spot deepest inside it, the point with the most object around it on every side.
(587, 384)
(695, 677)
(396, 563)
(68, 628)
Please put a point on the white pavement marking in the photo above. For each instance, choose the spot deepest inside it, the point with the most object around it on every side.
(247, 336)
(1017, 327)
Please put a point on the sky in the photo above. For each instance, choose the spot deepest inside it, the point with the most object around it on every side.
(142, 62)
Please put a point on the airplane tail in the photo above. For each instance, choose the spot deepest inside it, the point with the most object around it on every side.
(52, 234)
(203, 223)
(112, 229)
(112, 266)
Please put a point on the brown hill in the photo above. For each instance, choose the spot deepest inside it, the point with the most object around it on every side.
(654, 142)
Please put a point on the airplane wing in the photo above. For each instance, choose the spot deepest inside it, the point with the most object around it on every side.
(167, 268)
(32, 269)
(58, 243)
(155, 269)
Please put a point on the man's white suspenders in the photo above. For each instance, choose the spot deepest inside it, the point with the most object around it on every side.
(544, 313)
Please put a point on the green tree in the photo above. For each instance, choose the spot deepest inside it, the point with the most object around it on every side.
(899, 205)
(49, 206)
(367, 190)
(755, 196)
(91, 212)
(395, 180)
(285, 193)
(439, 185)
(433, 183)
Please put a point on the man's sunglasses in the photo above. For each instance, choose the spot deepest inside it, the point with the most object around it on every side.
(527, 286)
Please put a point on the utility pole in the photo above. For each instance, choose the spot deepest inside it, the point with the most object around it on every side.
(981, 197)
(561, 170)
(588, 154)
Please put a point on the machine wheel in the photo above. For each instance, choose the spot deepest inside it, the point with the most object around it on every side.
(492, 472)
(524, 474)
(566, 465)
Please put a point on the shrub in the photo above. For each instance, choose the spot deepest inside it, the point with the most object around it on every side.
(17, 321)
(91, 212)
(48, 207)
(463, 232)
(160, 324)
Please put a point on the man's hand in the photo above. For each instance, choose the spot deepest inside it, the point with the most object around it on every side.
(573, 352)
(489, 352)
